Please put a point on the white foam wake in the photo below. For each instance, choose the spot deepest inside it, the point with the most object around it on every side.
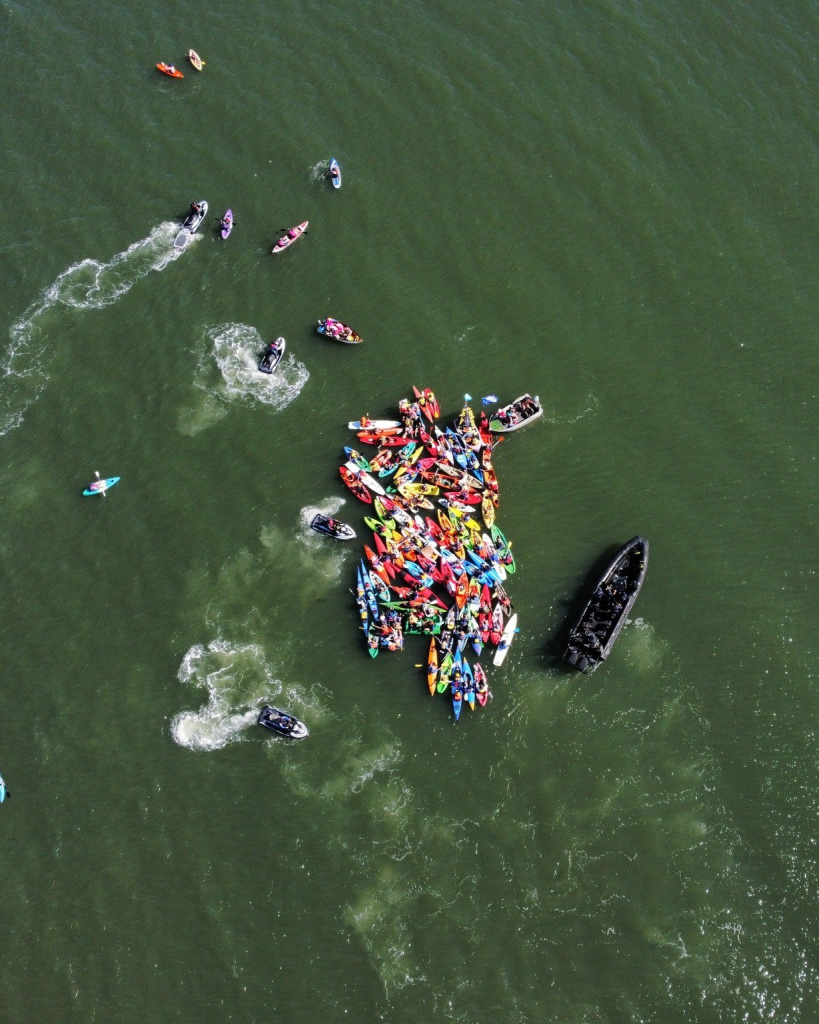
(85, 285)
(312, 540)
(238, 681)
(237, 349)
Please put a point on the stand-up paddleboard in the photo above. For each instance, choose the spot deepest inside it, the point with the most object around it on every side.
(196, 60)
(226, 224)
(191, 224)
(100, 486)
(368, 424)
(292, 235)
(505, 641)
(335, 173)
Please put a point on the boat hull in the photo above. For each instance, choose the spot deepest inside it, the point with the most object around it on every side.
(605, 613)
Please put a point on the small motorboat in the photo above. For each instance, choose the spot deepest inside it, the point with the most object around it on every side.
(282, 723)
(334, 173)
(516, 415)
(592, 637)
(226, 224)
(332, 527)
(290, 237)
(191, 223)
(338, 331)
(195, 59)
(272, 356)
(169, 69)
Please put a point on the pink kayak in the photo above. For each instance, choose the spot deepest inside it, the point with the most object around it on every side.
(290, 237)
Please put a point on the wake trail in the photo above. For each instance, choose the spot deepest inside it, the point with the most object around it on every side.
(86, 285)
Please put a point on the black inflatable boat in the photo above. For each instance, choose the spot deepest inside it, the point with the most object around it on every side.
(592, 637)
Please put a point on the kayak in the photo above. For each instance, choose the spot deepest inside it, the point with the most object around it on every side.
(382, 438)
(191, 223)
(282, 723)
(195, 59)
(357, 458)
(101, 486)
(3, 793)
(432, 666)
(338, 331)
(505, 641)
(169, 69)
(482, 690)
(272, 356)
(365, 478)
(469, 685)
(488, 511)
(226, 225)
(355, 485)
(504, 548)
(290, 237)
(332, 527)
(335, 178)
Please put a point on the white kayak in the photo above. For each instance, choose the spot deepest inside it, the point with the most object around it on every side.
(373, 424)
(365, 478)
(505, 641)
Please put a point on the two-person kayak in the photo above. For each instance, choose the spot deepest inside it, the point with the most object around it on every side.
(291, 236)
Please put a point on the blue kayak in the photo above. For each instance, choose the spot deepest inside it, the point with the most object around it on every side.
(101, 486)
(2, 790)
(335, 173)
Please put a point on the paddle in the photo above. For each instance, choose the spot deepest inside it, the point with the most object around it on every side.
(101, 489)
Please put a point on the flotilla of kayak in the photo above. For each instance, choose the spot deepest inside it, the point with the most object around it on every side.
(433, 570)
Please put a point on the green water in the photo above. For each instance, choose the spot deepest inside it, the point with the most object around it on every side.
(611, 205)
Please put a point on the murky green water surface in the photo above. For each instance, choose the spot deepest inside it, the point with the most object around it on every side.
(611, 205)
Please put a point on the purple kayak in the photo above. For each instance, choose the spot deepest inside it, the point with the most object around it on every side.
(227, 224)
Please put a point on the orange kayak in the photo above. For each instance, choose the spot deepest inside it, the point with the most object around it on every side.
(169, 69)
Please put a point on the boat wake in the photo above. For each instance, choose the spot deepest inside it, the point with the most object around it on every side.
(88, 284)
(238, 681)
(236, 350)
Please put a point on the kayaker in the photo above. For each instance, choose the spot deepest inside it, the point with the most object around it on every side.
(334, 173)
(293, 233)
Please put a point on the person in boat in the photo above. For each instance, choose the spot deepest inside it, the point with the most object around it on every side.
(195, 207)
(334, 172)
(293, 233)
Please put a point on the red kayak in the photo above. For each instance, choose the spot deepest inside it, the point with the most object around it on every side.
(169, 69)
(355, 485)
(464, 497)
(392, 440)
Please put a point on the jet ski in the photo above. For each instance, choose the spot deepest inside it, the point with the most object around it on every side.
(272, 356)
(332, 527)
(282, 723)
(191, 223)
